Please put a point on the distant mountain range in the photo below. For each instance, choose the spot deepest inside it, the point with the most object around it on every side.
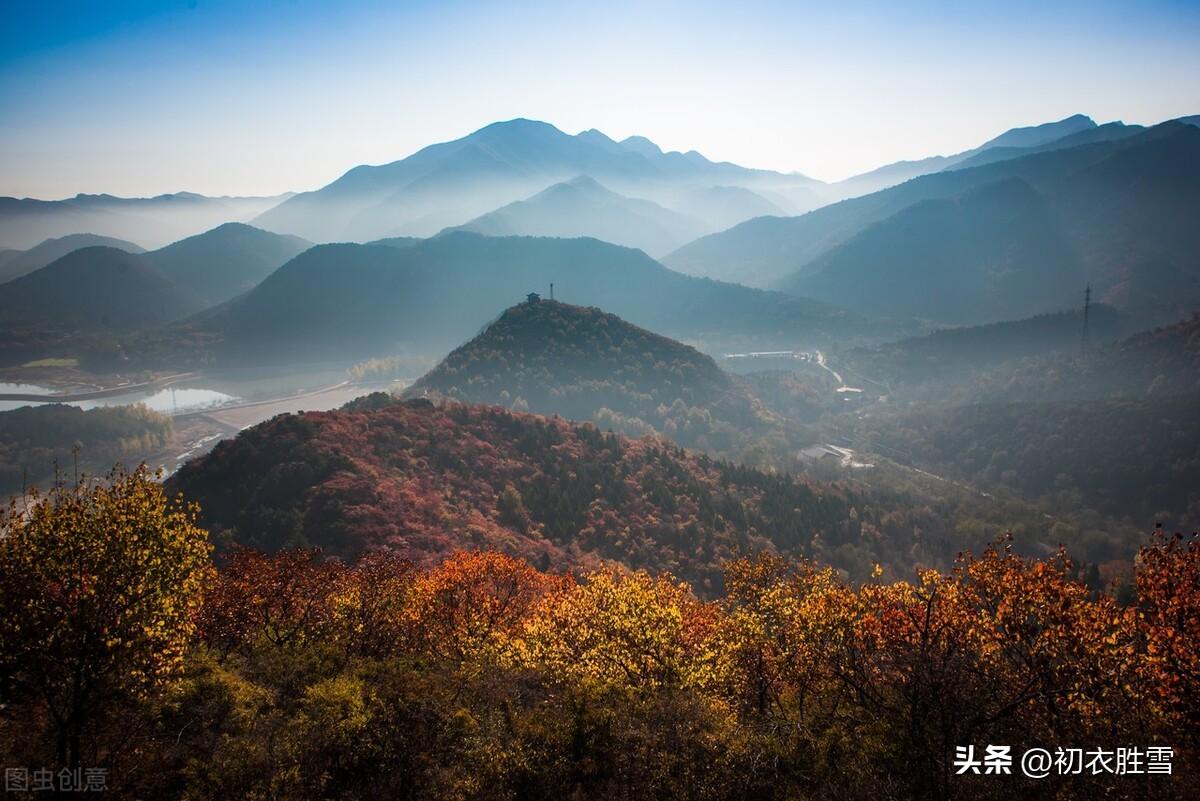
(582, 207)
(335, 301)
(725, 206)
(997, 241)
(1011, 228)
(94, 282)
(226, 261)
(1109, 132)
(16, 263)
(761, 251)
(449, 184)
(152, 221)
(1013, 139)
(996, 252)
(96, 288)
(453, 183)
(554, 358)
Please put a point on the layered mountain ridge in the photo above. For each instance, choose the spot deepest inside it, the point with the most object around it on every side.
(1116, 213)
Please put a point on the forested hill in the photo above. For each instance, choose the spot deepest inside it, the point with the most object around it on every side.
(555, 358)
(98, 289)
(426, 480)
(1112, 431)
(226, 261)
(952, 354)
(1159, 363)
(17, 263)
(38, 441)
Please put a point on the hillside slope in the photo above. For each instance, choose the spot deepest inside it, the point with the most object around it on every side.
(22, 263)
(995, 253)
(97, 288)
(426, 480)
(1134, 459)
(1164, 362)
(335, 301)
(36, 442)
(1006, 145)
(226, 261)
(954, 354)
(582, 207)
(152, 221)
(1123, 208)
(1110, 432)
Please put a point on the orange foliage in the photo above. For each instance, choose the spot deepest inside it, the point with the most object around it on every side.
(1000, 649)
(468, 606)
(282, 599)
(1168, 591)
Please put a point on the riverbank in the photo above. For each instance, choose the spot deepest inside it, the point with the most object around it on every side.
(151, 385)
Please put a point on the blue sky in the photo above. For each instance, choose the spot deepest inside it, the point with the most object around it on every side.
(135, 97)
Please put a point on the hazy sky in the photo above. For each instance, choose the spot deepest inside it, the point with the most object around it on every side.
(261, 96)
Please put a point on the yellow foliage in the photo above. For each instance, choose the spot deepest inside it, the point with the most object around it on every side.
(615, 627)
(99, 587)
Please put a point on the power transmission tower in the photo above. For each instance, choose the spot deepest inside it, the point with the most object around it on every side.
(1087, 308)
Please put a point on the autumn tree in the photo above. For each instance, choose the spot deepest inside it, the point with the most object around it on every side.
(770, 652)
(1168, 599)
(99, 582)
(618, 627)
(280, 600)
(511, 509)
(468, 606)
(369, 605)
(1002, 649)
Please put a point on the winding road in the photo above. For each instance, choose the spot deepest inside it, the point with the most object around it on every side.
(823, 364)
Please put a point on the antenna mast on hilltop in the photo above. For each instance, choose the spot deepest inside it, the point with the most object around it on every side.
(1087, 308)
(551, 290)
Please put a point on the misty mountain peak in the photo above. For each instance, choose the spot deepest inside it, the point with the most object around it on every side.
(642, 145)
(1034, 135)
(600, 139)
(519, 127)
(584, 182)
(75, 241)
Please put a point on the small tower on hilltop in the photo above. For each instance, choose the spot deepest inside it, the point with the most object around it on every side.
(533, 297)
